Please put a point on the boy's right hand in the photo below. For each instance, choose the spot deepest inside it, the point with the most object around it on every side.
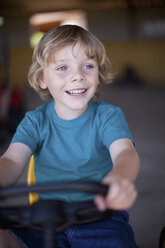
(121, 194)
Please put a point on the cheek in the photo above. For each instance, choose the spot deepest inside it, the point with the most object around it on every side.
(94, 77)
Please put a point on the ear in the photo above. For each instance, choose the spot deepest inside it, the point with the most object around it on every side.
(41, 82)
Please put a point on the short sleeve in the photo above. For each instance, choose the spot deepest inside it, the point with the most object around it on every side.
(27, 132)
(114, 126)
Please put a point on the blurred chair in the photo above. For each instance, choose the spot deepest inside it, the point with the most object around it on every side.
(33, 197)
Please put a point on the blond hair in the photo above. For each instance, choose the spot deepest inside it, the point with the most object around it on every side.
(60, 37)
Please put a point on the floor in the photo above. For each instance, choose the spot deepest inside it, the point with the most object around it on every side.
(145, 112)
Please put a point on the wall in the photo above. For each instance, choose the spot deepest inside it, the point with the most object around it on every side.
(146, 57)
(20, 60)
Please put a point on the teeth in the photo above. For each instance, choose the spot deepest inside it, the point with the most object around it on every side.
(76, 91)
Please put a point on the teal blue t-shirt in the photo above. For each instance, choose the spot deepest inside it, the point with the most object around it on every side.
(72, 150)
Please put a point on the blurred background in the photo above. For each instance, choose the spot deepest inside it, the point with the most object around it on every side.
(133, 32)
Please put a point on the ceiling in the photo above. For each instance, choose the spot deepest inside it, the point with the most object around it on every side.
(22, 8)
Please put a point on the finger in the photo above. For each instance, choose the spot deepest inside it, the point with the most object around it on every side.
(100, 202)
(113, 193)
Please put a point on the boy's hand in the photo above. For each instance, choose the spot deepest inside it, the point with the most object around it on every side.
(121, 195)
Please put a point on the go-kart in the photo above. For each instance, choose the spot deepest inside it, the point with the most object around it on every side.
(51, 216)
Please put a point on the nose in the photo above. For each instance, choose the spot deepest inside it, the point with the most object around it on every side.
(77, 75)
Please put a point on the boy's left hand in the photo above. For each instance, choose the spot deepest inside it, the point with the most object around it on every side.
(121, 194)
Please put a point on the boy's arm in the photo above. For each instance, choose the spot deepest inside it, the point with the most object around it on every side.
(13, 162)
(122, 192)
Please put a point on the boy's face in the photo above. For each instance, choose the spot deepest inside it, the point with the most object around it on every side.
(72, 79)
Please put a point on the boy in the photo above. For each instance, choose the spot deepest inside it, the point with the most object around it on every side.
(75, 138)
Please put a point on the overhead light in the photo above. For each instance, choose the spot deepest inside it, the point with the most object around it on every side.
(42, 22)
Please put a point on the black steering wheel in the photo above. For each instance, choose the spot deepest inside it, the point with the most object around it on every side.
(51, 216)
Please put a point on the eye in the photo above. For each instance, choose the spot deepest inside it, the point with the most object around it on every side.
(62, 68)
(89, 66)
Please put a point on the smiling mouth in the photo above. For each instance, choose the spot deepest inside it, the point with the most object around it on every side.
(76, 92)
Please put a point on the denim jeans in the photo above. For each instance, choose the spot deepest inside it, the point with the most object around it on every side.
(114, 232)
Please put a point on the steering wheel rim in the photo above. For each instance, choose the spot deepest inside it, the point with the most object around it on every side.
(88, 187)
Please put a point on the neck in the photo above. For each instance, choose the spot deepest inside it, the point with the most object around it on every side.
(67, 114)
